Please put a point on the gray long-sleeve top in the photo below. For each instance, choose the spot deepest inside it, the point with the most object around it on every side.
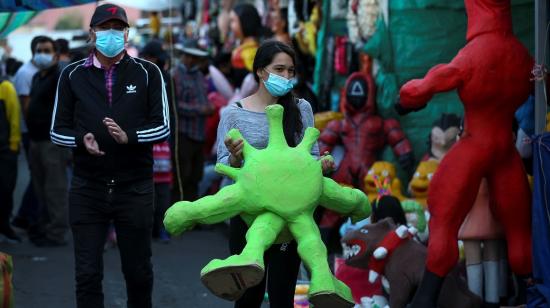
(254, 127)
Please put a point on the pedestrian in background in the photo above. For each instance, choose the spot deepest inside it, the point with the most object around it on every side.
(162, 154)
(48, 163)
(193, 108)
(28, 213)
(10, 138)
(111, 108)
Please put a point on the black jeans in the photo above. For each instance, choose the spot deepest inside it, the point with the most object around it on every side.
(282, 264)
(8, 178)
(92, 206)
(191, 165)
(162, 203)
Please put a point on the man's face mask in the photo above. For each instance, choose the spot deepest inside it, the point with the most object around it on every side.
(357, 93)
(43, 60)
(109, 42)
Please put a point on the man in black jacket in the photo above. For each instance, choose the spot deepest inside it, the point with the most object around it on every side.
(48, 163)
(110, 109)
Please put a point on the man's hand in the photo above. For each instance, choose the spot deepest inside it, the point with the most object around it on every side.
(235, 147)
(91, 145)
(115, 131)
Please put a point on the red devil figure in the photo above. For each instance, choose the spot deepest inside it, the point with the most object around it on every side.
(363, 133)
(492, 76)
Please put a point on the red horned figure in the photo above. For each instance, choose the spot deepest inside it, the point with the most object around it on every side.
(492, 76)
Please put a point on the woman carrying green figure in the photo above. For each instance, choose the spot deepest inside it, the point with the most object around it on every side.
(278, 186)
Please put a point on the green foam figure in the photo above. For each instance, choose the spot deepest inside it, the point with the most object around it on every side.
(275, 191)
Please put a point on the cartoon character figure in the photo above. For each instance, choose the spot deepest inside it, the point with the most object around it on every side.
(379, 172)
(276, 192)
(444, 134)
(363, 133)
(484, 250)
(492, 76)
(391, 253)
(420, 182)
(323, 118)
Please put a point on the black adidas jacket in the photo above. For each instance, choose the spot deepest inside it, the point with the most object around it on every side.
(139, 107)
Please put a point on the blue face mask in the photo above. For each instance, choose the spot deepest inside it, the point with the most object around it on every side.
(109, 42)
(43, 60)
(278, 86)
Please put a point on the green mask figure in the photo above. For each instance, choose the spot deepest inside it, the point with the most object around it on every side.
(275, 191)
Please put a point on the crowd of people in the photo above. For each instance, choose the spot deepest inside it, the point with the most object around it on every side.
(112, 138)
(115, 135)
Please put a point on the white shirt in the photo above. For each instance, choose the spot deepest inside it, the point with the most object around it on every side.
(22, 82)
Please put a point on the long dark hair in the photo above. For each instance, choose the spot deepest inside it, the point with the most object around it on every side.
(251, 23)
(388, 206)
(292, 119)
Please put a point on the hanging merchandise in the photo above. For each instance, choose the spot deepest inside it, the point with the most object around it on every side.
(188, 10)
(340, 56)
(328, 74)
(361, 20)
(338, 9)
(307, 33)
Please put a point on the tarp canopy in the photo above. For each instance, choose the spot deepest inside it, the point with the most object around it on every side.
(149, 5)
(11, 21)
(38, 5)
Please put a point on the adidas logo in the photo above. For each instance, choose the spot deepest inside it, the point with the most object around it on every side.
(130, 89)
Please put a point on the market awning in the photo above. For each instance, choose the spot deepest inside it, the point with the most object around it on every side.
(148, 5)
(11, 21)
(37, 5)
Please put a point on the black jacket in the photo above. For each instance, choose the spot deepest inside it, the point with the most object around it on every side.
(139, 107)
(39, 115)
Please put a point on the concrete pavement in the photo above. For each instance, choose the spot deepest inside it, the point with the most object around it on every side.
(44, 277)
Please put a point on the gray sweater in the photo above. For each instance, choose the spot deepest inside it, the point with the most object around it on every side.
(254, 127)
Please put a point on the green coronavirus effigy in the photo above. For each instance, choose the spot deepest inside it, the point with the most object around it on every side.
(275, 191)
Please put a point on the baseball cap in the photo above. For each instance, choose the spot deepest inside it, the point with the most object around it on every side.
(191, 47)
(154, 49)
(107, 12)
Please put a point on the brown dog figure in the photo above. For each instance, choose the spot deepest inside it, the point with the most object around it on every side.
(390, 251)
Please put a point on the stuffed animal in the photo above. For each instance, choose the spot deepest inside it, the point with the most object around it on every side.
(392, 255)
(276, 192)
(382, 170)
(492, 75)
(420, 182)
(443, 135)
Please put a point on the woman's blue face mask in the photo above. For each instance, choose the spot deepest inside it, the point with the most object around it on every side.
(277, 85)
(109, 42)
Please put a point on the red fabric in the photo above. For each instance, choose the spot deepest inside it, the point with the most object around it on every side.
(212, 121)
(357, 280)
(340, 56)
(492, 76)
(363, 135)
(162, 156)
(391, 241)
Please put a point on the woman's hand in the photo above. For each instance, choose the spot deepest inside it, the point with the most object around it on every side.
(235, 148)
(327, 163)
